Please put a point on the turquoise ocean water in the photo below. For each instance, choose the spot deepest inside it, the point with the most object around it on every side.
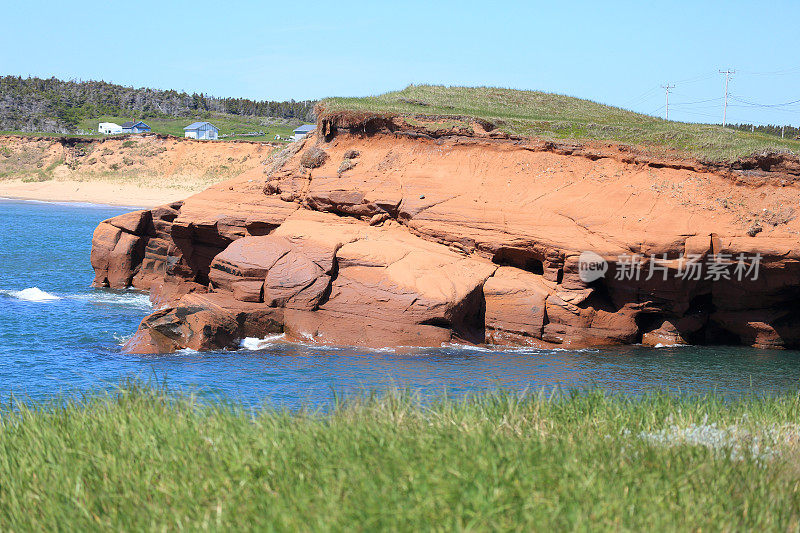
(58, 336)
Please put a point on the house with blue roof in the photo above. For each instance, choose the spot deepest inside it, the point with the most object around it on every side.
(135, 127)
(201, 130)
(302, 131)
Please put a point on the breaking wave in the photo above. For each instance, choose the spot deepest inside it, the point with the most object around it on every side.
(31, 294)
(253, 343)
(136, 300)
(125, 299)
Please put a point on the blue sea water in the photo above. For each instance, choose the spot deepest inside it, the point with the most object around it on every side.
(58, 336)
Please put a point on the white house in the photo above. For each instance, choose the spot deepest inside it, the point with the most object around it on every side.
(201, 130)
(135, 127)
(302, 131)
(109, 128)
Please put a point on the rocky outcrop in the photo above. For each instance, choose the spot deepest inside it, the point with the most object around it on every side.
(465, 238)
(204, 322)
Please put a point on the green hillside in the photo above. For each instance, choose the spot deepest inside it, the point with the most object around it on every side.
(554, 116)
(230, 125)
(37, 105)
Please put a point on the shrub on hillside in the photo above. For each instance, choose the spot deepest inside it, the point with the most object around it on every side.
(349, 160)
(313, 158)
(779, 216)
(346, 165)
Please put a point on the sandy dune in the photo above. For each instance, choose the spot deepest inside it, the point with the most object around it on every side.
(142, 171)
(92, 192)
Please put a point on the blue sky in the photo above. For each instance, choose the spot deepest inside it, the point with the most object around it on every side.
(616, 53)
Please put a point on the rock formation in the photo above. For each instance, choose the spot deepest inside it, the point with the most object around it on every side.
(400, 238)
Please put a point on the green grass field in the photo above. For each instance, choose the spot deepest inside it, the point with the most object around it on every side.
(142, 459)
(553, 116)
(227, 125)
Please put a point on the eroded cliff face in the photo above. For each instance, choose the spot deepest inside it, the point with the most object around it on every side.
(403, 239)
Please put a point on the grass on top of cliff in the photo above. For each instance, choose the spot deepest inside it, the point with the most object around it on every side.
(142, 459)
(553, 116)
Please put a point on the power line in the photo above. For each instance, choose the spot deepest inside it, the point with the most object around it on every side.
(727, 73)
(765, 105)
(695, 112)
(781, 72)
(696, 79)
(695, 107)
(681, 109)
(640, 98)
(666, 88)
(791, 111)
(699, 101)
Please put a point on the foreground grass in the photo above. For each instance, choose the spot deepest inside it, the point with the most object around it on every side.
(141, 459)
(564, 117)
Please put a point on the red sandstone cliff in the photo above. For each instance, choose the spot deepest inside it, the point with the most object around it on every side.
(399, 238)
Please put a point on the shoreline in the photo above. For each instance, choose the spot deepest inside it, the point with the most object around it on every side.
(71, 203)
(91, 192)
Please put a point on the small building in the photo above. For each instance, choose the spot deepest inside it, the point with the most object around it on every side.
(201, 130)
(109, 128)
(135, 127)
(302, 131)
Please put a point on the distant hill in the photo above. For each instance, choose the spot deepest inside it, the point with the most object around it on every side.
(57, 106)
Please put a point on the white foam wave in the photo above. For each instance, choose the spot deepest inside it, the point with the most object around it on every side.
(385, 349)
(469, 347)
(122, 340)
(126, 299)
(524, 350)
(32, 294)
(675, 345)
(253, 343)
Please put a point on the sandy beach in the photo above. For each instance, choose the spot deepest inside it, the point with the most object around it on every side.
(95, 192)
(145, 171)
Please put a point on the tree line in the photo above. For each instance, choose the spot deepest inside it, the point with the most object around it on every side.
(789, 132)
(58, 106)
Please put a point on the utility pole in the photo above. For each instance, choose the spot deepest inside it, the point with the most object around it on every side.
(782, 127)
(667, 87)
(728, 74)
